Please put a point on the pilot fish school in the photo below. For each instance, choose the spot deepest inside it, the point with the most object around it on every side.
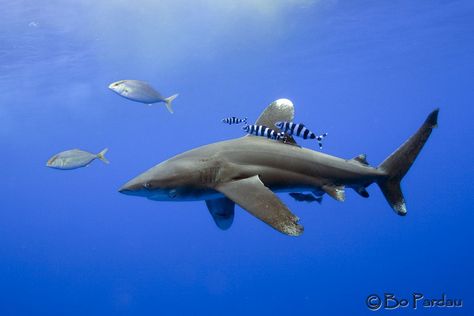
(249, 170)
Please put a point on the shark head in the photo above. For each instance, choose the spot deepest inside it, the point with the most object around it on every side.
(167, 181)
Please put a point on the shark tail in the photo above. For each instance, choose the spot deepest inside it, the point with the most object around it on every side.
(168, 102)
(101, 156)
(400, 161)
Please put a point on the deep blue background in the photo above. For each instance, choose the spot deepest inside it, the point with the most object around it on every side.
(367, 72)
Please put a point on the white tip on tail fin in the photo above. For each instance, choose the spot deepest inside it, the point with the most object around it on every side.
(400, 161)
(101, 155)
(168, 102)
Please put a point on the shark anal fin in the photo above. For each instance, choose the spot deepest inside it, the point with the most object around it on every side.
(335, 191)
(362, 158)
(222, 211)
(253, 196)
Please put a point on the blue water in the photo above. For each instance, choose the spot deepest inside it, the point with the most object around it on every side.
(367, 72)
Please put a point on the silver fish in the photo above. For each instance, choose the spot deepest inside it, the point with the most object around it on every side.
(75, 158)
(140, 91)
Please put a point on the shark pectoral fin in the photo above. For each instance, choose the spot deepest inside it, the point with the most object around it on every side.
(222, 211)
(253, 196)
(335, 191)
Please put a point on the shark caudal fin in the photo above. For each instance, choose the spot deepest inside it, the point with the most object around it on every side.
(398, 163)
(101, 155)
(168, 102)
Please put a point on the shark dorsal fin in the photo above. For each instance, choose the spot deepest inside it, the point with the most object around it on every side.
(362, 158)
(279, 110)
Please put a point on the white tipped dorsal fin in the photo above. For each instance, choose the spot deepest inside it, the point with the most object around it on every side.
(279, 110)
(337, 192)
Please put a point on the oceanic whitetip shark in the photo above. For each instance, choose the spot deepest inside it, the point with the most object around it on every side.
(247, 171)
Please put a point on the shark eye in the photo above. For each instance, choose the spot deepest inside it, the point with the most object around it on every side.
(147, 186)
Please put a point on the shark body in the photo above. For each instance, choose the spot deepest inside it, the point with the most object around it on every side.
(248, 170)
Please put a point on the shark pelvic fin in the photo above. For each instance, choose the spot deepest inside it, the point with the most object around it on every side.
(253, 196)
(222, 211)
(337, 192)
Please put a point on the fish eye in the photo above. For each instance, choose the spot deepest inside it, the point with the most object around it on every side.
(147, 186)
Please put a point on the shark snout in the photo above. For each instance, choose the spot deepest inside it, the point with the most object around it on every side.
(131, 187)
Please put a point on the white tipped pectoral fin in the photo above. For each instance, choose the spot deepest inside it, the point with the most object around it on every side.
(253, 196)
(168, 102)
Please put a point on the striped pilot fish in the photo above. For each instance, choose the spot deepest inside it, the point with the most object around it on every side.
(75, 158)
(261, 130)
(300, 130)
(234, 120)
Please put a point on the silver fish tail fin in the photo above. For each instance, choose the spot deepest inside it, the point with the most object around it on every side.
(400, 161)
(101, 155)
(168, 102)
